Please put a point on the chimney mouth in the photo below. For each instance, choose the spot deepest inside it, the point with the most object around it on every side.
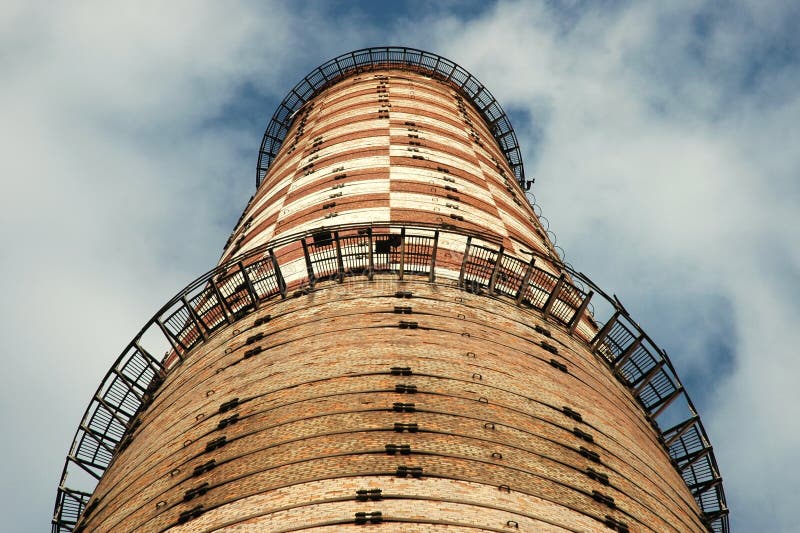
(391, 57)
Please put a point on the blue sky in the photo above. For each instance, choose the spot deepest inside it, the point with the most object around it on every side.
(663, 137)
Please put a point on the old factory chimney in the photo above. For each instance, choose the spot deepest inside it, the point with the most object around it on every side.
(391, 341)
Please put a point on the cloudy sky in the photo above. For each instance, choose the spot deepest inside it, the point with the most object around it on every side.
(664, 138)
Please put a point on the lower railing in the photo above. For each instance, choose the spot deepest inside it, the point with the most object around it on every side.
(475, 262)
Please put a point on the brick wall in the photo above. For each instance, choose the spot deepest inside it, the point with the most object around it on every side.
(316, 406)
(388, 146)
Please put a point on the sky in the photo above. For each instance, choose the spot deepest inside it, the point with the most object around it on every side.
(664, 138)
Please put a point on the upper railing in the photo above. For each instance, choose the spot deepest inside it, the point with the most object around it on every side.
(370, 59)
(294, 264)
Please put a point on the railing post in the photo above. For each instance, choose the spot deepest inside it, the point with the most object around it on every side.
(402, 252)
(309, 266)
(152, 360)
(113, 411)
(710, 516)
(99, 438)
(548, 305)
(526, 278)
(177, 345)
(691, 458)
(576, 318)
(678, 430)
(705, 485)
(339, 260)
(624, 356)
(371, 271)
(226, 311)
(131, 385)
(251, 290)
(496, 269)
(645, 379)
(195, 318)
(432, 276)
(464, 262)
(663, 404)
(82, 464)
(604, 330)
(278, 274)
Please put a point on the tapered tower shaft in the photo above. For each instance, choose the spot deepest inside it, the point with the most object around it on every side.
(391, 340)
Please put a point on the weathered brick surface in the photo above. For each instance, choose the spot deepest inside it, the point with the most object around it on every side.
(429, 128)
(405, 498)
(318, 402)
(317, 392)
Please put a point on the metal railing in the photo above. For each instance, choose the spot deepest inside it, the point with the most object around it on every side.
(296, 263)
(370, 59)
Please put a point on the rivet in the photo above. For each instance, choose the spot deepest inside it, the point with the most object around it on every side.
(199, 417)
(210, 392)
(187, 443)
